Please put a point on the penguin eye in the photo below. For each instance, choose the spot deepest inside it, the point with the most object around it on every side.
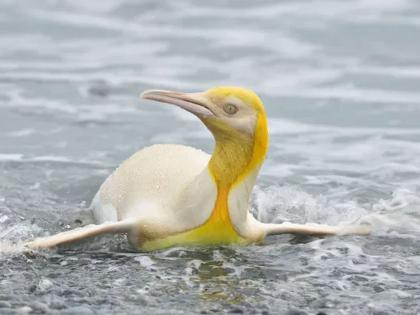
(230, 108)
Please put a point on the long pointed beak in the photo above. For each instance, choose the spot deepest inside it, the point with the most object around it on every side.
(195, 103)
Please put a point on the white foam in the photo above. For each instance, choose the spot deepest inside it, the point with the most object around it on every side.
(21, 133)
(9, 248)
(7, 157)
(289, 203)
(398, 215)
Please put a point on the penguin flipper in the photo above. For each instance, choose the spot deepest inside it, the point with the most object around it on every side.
(314, 229)
(79, 234)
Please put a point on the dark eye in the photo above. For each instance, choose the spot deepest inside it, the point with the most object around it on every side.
(230, 108)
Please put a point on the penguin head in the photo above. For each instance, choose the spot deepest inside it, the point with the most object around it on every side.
(232, 114)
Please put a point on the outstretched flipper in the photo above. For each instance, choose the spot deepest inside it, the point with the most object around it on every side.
(314, 229)
(80, 234)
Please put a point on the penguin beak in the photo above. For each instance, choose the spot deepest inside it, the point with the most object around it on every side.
(195, 103)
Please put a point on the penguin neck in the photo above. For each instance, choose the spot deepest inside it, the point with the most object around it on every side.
(237, 154)
(230, 160)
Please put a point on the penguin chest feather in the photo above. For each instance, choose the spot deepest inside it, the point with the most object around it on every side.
(174, 200)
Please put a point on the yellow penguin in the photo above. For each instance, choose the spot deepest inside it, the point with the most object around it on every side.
(173, 195)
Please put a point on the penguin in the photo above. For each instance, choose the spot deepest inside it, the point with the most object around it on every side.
(174, 195)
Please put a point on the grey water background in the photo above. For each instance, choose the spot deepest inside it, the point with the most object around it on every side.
(340, 81)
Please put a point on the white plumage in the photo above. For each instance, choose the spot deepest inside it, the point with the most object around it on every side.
(166, 184)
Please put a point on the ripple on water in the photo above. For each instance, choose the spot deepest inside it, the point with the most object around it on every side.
(343, 116)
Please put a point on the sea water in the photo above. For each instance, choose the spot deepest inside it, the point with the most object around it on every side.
(340, 82)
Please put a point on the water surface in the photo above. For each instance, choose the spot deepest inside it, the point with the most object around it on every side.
(340, 82)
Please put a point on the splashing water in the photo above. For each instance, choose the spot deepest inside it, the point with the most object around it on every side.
(399, 214)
